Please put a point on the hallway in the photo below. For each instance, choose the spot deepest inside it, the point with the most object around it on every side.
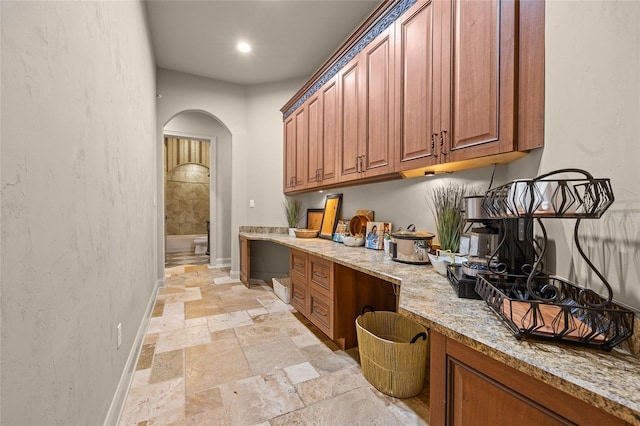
(217, 353)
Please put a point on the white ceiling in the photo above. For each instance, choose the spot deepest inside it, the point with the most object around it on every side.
(289, 38)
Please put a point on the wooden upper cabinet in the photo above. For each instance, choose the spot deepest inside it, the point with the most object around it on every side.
(314, 147)
(302, 139)
(416, 90)
(379, 150)
(322, 116)
(289, 153)
(478, 75)
(448, 81)
(368, 144)
(351, 129)
(296, 138)
(330, 132)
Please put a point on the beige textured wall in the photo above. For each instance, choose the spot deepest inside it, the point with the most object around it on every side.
(187, 199)
(78, 204)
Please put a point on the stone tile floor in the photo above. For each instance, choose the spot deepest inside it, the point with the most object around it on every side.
(217, 353)
(184, 258)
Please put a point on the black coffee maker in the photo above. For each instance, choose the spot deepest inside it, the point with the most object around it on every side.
(504, 246)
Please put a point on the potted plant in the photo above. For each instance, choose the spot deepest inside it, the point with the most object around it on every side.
(293, 212)
(447, 210)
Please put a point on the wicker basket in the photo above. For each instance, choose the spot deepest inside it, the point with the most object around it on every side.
(393, 352)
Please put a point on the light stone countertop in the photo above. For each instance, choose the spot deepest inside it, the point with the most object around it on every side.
(608, 380)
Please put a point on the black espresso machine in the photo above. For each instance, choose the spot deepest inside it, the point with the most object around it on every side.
(496, 246)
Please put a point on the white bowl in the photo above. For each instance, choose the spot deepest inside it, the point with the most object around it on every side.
(353, 241)
(440, 263)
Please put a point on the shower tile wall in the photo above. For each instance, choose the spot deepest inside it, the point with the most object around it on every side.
(187, 200)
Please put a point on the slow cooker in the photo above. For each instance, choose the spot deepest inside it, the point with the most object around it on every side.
(410, 246)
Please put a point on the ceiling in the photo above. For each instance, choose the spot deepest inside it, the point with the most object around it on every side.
(289, 39)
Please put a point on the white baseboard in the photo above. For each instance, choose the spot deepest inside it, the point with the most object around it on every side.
(117, 403)
(234, 275)
(222, 262)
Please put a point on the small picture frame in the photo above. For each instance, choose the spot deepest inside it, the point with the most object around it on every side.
(342, 230)
(330, 216)
(314, 219)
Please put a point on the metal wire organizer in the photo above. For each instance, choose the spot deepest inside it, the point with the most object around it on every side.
(562, 310)
(536, 303)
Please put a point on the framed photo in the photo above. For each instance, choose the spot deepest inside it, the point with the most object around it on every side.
(314, 218)
(342, 229)
(330, 216)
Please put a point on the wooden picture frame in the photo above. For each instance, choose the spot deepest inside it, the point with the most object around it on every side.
(314, 219)
(330, 216)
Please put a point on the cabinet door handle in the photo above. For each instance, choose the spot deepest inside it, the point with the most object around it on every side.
(361, 164)
(443, 134)
(433, 141)
(320, 174)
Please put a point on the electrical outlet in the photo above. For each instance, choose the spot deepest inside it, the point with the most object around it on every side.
(119, 334)
(252, 203)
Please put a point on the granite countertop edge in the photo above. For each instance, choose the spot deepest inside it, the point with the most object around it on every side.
(428, 298)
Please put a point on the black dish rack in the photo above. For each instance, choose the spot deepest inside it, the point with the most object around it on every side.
(535, 303)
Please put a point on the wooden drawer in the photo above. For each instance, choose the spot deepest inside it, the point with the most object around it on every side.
(321, 276)
(299, 296)
(298, 265)
(322, 313)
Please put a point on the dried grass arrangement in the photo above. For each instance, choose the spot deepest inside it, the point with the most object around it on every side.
(447, 203)
(292, 211)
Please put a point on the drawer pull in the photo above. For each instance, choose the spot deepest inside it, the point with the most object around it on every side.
(320, 310)
(318, 274)
(298, 265)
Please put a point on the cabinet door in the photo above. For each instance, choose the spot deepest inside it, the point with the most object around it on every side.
(416, 90)
(321, 312)
(469, 388)
(330, 132)
(302, 138)
(478, 78)
(298, 265)
(299, 284)
(300, 296)
(244, 261)
(289, 153)
(321, 276)
(472, 393)
(378, 152)
(314, 142)
(351, 122)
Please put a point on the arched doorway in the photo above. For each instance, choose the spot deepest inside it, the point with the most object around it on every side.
(193, 134)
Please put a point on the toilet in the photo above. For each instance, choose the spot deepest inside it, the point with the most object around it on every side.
(200, 244)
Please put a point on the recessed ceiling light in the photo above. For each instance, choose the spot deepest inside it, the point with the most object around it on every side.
(244, 47)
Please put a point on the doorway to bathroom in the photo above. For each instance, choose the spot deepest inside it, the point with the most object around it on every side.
(187, 176)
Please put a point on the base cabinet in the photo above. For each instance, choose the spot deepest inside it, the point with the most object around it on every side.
(299, 284)
(331, 296)
(245, 266)
(470, 388)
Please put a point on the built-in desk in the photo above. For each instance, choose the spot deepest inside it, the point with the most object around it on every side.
(466, 332)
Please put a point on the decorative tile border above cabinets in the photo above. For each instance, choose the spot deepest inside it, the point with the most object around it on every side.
(383, 23)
